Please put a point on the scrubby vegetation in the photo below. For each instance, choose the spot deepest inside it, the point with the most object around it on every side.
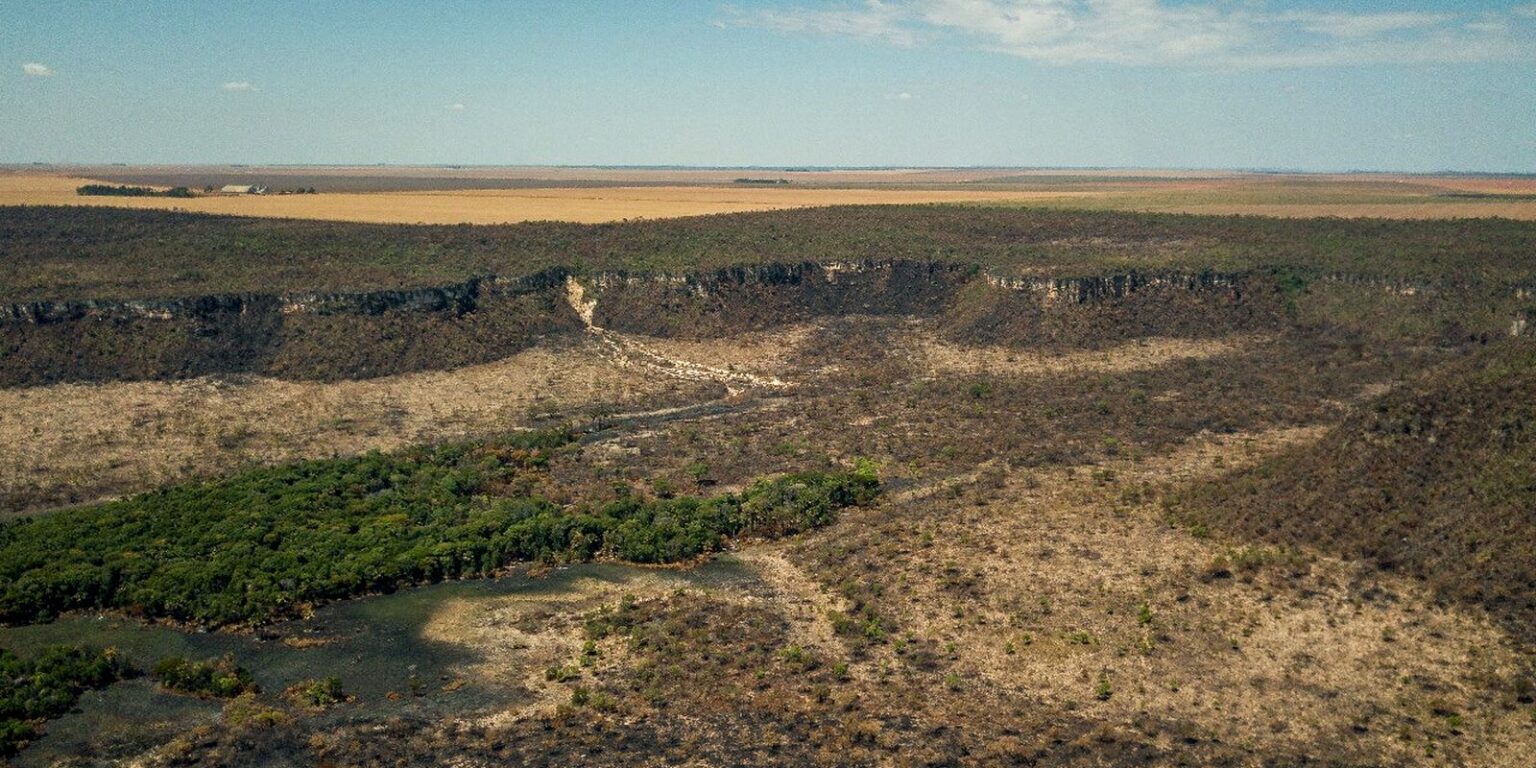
(316, 694)
(255, 546)
(1021, 597)
(716, 681)
(218, 678)
(1437, 479)
(106, 295)
(47, 685)
(60, 253)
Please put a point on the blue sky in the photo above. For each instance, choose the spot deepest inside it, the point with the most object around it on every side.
(1416, 86)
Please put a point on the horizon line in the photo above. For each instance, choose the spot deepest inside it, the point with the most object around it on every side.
(788, 168)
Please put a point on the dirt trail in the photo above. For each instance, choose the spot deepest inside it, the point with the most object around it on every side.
(803, 601)
(627, 352)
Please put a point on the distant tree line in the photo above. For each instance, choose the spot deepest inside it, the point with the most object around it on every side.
(107, 190)
(254, 547)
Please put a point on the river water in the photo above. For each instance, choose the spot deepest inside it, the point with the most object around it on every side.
(374, 644)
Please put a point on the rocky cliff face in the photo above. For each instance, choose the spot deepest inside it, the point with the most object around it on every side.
(354, 335)
(325, 336)
(1092, 310)
(460, 298)
(1098, 289)
(747, 298)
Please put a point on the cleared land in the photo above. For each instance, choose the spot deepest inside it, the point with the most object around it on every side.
(504, 206)
(500, 196)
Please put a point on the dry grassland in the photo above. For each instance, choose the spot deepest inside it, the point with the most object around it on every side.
(942, 358)
(190, 175)
(513, 639)
(1282, 655)
(1082, 594)
(75, 442)
(1469, 209)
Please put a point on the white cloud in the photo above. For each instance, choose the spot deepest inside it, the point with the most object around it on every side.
(34, 69)
(903, 96)
(1493, 26)
(455, 107)
(1163, 32)
(873, 20)
(1361, 25)
(238, 86)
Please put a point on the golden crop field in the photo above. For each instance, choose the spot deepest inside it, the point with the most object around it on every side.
(609, 196)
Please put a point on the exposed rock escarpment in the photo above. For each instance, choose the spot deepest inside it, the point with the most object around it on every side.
(487, 317)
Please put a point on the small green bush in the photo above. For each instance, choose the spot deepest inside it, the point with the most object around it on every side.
(317, 694)
(215, 678)
(1103, 690)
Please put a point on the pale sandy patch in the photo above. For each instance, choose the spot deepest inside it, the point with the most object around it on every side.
(939, 357)
(516, 638)
(766, 353)
(801, 600)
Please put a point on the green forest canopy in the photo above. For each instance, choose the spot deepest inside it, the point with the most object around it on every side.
(253, 547)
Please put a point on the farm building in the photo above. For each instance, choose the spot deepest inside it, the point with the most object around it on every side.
(242, 189)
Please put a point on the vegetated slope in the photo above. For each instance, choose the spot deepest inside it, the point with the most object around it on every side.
(107, 295)
(52, 254)
(255, 546)
(1437, 479)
